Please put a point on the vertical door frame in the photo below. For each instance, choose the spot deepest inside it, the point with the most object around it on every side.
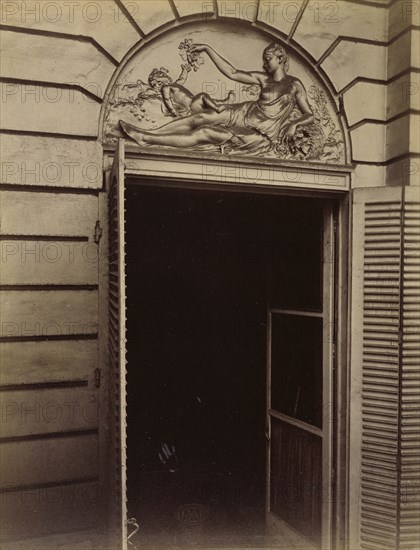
(328, 353)
(341, 390)
(120, 167)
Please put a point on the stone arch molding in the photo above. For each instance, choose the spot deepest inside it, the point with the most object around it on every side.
(172, 94)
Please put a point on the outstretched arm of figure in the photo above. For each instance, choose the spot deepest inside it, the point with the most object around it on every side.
(183, 75)
(226, 68)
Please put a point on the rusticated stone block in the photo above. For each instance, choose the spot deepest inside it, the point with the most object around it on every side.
(32, 57)
(324, 21)
(37, 108)
(279, 14)
(103, 21)
(50, 161)
(365, 100)
(351, 59)
(150, 14)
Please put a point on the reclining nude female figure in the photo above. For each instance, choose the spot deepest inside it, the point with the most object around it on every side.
(250, 126)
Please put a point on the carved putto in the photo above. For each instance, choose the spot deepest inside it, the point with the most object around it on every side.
(276, 116)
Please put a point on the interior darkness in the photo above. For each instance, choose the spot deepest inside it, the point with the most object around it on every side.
(296, 371)
(202, 267)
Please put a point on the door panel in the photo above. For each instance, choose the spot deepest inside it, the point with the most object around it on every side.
(292, 284)
(296, 488)
(296, 366)
(299, 393)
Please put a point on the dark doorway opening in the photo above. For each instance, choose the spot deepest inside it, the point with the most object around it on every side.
(203, 268)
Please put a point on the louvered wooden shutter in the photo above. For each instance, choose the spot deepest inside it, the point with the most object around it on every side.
(386, 283)
(117, 367)
(380, 386)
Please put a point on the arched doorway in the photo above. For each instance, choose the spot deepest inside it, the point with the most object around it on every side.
(297, 432)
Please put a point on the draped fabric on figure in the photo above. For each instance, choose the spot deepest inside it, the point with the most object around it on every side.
(256, 125)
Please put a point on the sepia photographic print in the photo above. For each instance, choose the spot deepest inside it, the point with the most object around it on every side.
(210, 275)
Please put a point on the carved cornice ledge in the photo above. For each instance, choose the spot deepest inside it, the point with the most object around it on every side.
(175, 167)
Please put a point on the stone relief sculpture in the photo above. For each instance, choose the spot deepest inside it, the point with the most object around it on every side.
(281, 119)
(178, 100)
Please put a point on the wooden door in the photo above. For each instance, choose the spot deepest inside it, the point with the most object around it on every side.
(117, 367)
(299, 387)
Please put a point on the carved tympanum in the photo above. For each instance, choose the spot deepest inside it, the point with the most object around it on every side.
(279, 118)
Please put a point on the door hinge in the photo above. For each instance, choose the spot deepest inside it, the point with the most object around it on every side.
(98, 232)
(97, 377)
(135, 525)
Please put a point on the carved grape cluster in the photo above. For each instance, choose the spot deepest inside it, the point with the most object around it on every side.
(193, 59)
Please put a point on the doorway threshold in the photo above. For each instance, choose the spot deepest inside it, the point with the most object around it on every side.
(197, 542)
